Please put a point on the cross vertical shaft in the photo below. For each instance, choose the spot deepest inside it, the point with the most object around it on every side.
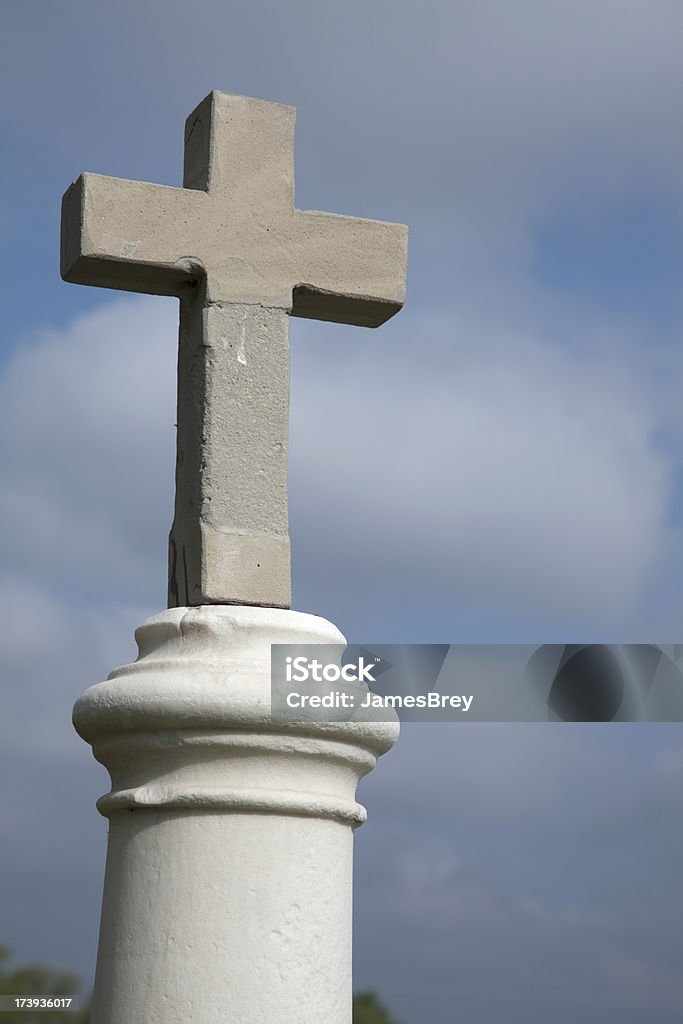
(232, 426)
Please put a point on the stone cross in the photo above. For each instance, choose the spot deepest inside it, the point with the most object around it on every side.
(241, 258)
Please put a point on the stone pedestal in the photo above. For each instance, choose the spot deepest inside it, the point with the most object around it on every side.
(227, 892)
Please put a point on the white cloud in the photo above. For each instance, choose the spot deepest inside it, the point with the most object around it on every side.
(480, 465)
(502, 468)
(87, 414)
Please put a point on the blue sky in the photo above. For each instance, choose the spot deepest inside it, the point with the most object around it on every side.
(513, 440)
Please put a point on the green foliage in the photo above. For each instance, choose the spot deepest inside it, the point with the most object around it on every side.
(367, 1009)
(37, 980)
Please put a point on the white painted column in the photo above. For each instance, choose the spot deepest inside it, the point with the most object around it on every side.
(228, 884)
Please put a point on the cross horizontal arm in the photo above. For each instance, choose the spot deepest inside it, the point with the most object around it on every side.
(349, 270)
(127, 234)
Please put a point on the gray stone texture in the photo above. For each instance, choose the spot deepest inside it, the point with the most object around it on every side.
(241, 258)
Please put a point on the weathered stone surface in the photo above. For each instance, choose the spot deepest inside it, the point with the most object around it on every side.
(232, 246)
(237, 361)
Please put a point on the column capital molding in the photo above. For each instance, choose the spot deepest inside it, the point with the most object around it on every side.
(188, 724)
